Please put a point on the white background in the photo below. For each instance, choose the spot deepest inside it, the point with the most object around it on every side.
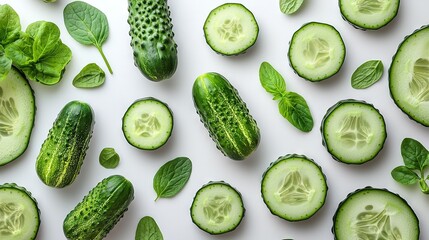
(191, 139)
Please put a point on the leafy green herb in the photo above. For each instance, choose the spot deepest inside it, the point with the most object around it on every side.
(172, 177)
(292, 106)
(367, 74)
(10, 26)
(147, 229)
(416, 158)
(109, 158)
(91, 76)
(290, 6)
(87, 25)
(5, 64)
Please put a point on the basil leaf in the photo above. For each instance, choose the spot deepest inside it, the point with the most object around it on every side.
(290, 6)
(172, 177)
(294, 108)
(91, 76)
(271, 80)
(10, 26)
(147, 229)
(87, 25)
(367, 74)
(404, 175)
(414, 154)
(109, 158)
(5, 64)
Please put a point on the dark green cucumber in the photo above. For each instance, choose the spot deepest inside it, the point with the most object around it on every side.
(225, 116)
(64, 150)
(100, 210)
(151, 31)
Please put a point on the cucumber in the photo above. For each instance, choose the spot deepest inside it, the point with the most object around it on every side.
(353, 131)
(409, 76)
(231, 29)
(372, 213)
(369, 14)
(147, 124)
(100, 210)
(217, 208)
(294, 187)
(19, 213)
(316, 51)
(225, 116)
(151, 31)
(64, 150)
(17, 110)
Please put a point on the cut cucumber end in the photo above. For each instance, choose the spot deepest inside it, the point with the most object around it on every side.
(147, 124)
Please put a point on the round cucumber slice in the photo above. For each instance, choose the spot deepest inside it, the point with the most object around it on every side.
(353, 131)
(372, 213)
(316, 51)
(147, 124)
(294, 187)
(20, 215)
(231, 29)
(217, 208)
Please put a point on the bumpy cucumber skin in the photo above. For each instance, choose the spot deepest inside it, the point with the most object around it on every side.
(14, 186)
(151, 31)
(426, 124)
(64, 150)
(15, 71)
(365, 189)
(100, 210)
(225, 116)
(280, 159)
(328, 113)
(216, 183)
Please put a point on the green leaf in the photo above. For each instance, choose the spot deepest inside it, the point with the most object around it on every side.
(271, 80)
(414, 154)
(367, 74)
(172, 177)
(45, 35)
(5, 64)
(404, 175)
(290, 6)
(10, 26)
(20, 51)
(294, 108)
(147, 229)
(109, 158)
(87, 25)
(91, 76)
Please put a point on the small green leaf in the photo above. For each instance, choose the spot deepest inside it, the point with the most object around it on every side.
(5, 64)
(294, 108)
(91, 76)
(414, 154)
(271, 80)
(109, 158)
(10, 26)
(172, 177)
(147, 229)
(290, 6)
(367, 74)
(404, 175)
(46, 37)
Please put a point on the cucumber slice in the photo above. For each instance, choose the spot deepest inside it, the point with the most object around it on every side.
(369, 14)
(409, 76)
(372, 213)
(20, 216)
(353, 131)
(147, 124)
(17, 110)
(294, 187)
(217, 208)
(316, 51)
(231, 29)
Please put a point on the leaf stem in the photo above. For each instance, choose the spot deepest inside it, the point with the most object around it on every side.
(104, 58)
(423, 185)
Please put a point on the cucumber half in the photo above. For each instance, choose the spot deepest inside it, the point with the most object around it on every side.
(294, 187)
(353, 131)
(316, 51)
(147, 124)
(231, 29)
(217, 208)
(372, 213)
(409, 76)
(17, 110)
(19, 213)
(369, 14)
